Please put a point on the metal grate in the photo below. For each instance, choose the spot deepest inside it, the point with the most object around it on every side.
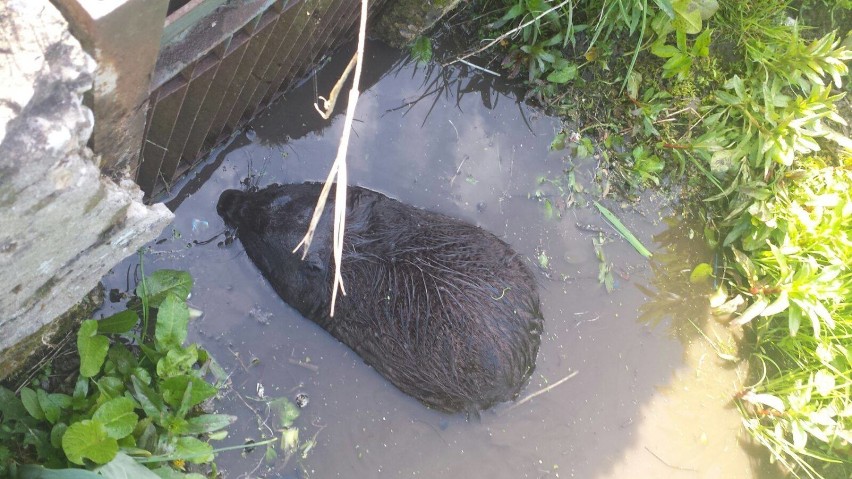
(214, 95)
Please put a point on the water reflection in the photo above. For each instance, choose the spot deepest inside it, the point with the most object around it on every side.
(695, 411)
(670, 292)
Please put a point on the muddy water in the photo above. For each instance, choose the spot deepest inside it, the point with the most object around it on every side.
(647, 395)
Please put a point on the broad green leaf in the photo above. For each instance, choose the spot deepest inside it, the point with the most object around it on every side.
(142, 374)
(585, 148)
(125, 467)
(207, 423)
(707, 8)
(52, 404)
(666, 7)
(81, 388)
(554, 40)
(513, 12)
(701, 47)
(118, 323)
(687, 16)
(677, 64)
(800, 437)
(700, 273)
(111, 386)
(824, 382)
(634, 80)
(746, 266)
(163, 282)
(40, 472)
(174, 388)
(765, 399)
(150, 401)
(92, 348)
(663, 50)
(736, 232)
(11, 408)
(756, 191)
(56, 434)
(123, 359)
(88, 439)
(751, 312)
(285, 409)
(117, 417)
(146, 434)
(151, 354)
(185, 401)
(780, 304)
(172, 322)
(218, 371)
(794, 319)
(193, 450)
(563, 75)
(177, 361)
(166, 472)
(807, 308)
(719, 297)
(31, 403)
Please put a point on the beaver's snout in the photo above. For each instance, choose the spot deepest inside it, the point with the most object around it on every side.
(229, 206)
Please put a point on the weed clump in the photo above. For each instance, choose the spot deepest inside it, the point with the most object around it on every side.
(746, 100)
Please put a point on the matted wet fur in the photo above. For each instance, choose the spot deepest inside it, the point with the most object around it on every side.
(446, 311)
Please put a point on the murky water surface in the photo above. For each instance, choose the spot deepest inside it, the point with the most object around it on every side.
(650, 397)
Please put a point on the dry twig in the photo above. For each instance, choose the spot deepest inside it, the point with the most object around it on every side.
(540, 392)
(338, 173)
(507, 34)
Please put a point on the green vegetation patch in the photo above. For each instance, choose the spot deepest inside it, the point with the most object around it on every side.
(135, 406)
(737, 105)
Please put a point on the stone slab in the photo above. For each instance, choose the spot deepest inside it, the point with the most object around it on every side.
(63, 224)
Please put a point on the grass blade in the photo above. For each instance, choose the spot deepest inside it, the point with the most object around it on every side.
(623, 231)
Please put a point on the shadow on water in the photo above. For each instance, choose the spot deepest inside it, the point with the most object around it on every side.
(650, 399)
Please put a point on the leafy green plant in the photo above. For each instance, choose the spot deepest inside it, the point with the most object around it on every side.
(778, 217)
(798, 282)
(757, 125)
(136, 401)
(645, 166)
(681, 56)
(546, 28)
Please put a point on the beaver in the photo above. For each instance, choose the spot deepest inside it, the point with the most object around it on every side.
(444, 310)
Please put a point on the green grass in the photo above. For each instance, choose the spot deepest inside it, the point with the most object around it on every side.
(136, 405)
(747, 102)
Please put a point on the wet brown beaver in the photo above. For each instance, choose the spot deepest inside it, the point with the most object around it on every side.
(446, 311)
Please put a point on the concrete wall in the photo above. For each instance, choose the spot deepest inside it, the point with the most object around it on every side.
(62, 224)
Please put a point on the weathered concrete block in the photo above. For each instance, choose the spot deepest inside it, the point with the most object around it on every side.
(62, 224)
